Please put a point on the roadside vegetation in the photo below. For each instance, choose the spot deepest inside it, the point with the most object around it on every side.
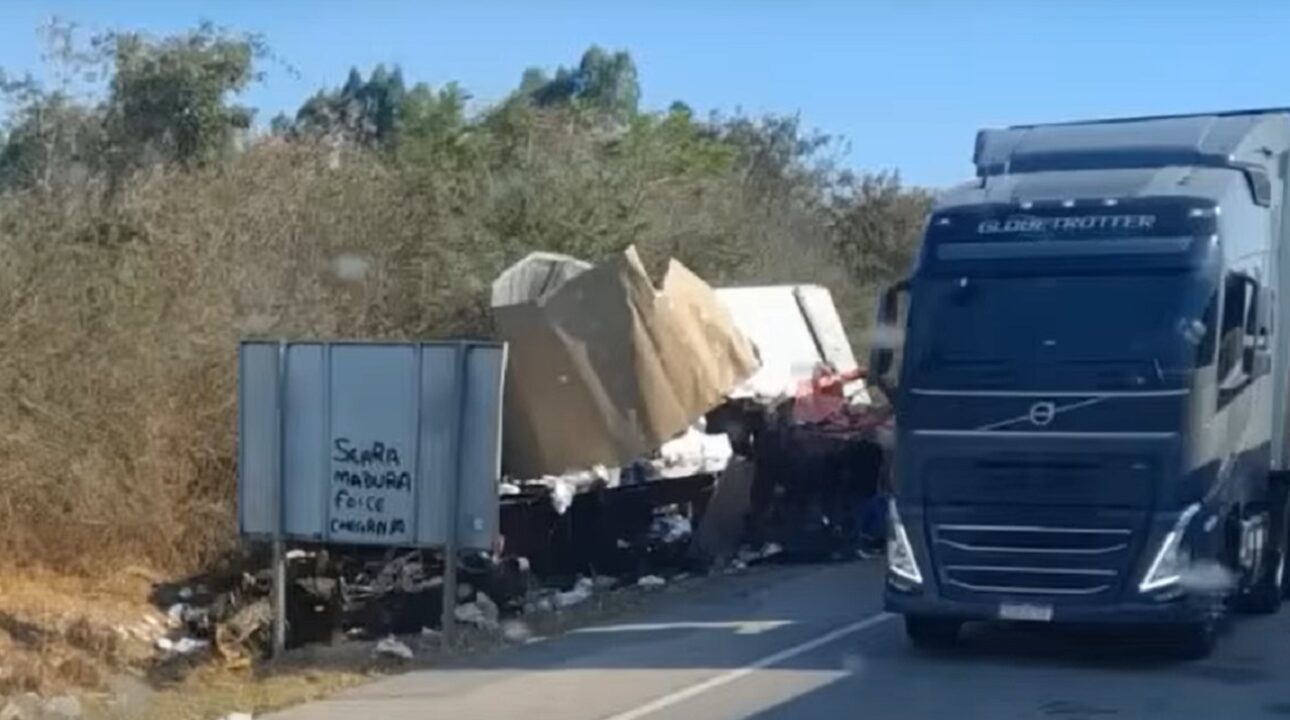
(148, 221)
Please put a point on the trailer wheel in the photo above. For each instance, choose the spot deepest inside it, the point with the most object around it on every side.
(932, 632)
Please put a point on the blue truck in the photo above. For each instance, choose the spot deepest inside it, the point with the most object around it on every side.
(1089, 373)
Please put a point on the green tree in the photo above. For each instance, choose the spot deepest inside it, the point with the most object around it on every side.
(877, 224)
(51, 141)
(366, 112)
(603, 81)
(169, 99)
(52, 132)
(432, 122)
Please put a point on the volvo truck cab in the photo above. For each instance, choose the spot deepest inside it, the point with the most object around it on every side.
(1088, 365)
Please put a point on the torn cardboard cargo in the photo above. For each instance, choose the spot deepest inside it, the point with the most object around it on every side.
(607, 367)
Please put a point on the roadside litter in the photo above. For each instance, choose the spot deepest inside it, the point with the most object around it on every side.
(650, 430)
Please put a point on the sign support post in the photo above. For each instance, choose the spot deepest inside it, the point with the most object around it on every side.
(377, 444)
(452, 492)
(279, 544)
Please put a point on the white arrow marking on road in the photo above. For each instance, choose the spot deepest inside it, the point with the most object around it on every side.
(741, 627)
(684, 694)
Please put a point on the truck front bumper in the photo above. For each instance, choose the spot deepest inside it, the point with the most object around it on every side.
(1182, 610)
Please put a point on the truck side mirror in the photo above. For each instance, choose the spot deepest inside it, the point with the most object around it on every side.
(886, 337)
(1257, 355)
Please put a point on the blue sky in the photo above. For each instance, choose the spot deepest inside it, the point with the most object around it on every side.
(906, 82)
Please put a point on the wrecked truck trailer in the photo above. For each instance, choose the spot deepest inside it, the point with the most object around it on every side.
(808, 466)
(806, 423)
(690, 460)
(814, 482)
(612, 372)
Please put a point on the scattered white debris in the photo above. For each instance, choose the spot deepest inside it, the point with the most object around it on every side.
(604, 582)
(469, 613)
(650, 582)
(481, 613)
(507, 489)
(738, 565)
(770, 550)
(392, 647)
(671, 528)
(562, 492)
(182, 646)
(623, 544)
(489, 608)
(748, 556)
(185, 594)
(238, 716)
(430, 633)
(188, 646)
(516, 632)
(692, 453)
(176, 612)
(296, 554)
(581, 592)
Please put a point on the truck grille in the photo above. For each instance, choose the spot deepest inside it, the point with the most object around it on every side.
(1070, 562)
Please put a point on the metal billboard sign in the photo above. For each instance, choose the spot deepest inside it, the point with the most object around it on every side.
(370, 443)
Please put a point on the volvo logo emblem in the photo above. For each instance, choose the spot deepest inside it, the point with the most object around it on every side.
(1042, 413)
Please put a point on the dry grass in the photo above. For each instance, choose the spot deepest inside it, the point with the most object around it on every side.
(59, 633)
(119, 323)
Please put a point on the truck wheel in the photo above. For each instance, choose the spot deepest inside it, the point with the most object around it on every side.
(1265, 597)
(1197, 641)
(932, 632)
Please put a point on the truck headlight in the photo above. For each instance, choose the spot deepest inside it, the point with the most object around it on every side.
(1171, 560)
(900, 554)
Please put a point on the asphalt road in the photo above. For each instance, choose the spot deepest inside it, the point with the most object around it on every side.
(812, 642)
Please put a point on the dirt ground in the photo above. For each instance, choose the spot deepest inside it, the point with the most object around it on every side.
(98, 641)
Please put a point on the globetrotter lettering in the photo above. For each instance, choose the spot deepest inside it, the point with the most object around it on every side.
(371, 490)
(1072, 224)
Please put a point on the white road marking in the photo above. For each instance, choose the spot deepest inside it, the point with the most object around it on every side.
(741, 627)
(726, 678)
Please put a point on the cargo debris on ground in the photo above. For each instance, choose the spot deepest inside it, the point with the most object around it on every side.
(698, 430)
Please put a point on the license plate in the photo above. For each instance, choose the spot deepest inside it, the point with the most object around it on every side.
(1026, 612)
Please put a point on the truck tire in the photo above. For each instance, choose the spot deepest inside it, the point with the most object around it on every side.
(932, 632)
(1265, 597)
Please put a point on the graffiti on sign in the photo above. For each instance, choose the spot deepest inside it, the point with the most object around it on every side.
(371, 491)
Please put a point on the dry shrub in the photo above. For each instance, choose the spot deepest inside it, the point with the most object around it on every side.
(118, 347)
(119, 322)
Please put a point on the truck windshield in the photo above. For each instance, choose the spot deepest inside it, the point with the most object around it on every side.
(1107, 331)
